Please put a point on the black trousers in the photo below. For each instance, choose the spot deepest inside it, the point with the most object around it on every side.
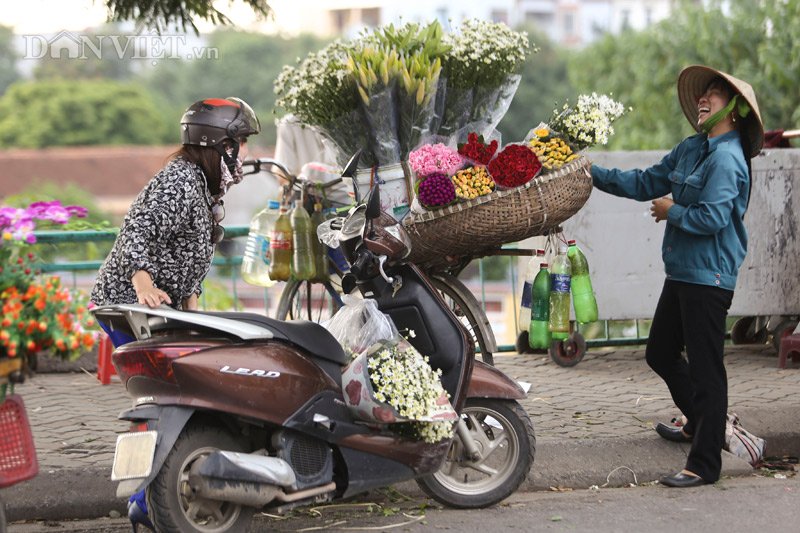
(693, 317)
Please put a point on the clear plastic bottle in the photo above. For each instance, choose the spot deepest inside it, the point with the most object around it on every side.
(525, 301)
(320, 249)
(560, 277)
(303, 235)
(539, 335)
(255, 261)
(583, 299)
(280, 247)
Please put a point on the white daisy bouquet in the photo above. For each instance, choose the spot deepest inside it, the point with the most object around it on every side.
(480, 73)
(322, 93)
(392, 383)
(589, 122)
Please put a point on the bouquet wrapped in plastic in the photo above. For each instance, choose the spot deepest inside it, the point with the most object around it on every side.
(388, 381)
(480, 76)
(394, 88)
(589, 122)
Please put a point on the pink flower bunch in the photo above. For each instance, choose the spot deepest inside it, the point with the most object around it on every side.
(18, 224)
(435, 158)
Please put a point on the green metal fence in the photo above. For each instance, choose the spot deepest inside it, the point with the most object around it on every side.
(603, 333)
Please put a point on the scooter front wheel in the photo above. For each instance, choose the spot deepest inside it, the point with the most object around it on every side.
(503, 434)
(173, 505)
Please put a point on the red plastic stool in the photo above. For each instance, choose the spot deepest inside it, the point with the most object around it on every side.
(790, 347)
(104, 367)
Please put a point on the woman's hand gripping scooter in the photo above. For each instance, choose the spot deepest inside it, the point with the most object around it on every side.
(236, 412)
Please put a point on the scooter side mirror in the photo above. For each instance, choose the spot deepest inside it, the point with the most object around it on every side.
(374, 203)
(351, 166)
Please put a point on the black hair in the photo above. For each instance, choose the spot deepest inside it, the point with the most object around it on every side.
(207, 158)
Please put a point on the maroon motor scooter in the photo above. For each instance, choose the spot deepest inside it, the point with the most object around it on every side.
(235, 412)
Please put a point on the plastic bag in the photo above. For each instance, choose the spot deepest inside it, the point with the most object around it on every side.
(359, 324)
(742, 443)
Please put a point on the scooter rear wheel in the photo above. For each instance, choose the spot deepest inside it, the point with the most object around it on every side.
(309, 300)
(503, 434)
(173, 507)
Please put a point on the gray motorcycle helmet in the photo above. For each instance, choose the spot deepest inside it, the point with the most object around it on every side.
(209, 122)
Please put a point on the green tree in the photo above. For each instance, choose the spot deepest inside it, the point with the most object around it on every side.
(109, 63)
(544, 86)
(74, 113)
(246, 66)
(8, 59)
(779, 98)
(640, 68)
(163, 13)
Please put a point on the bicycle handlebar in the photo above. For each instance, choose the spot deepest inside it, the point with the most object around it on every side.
(283, 172)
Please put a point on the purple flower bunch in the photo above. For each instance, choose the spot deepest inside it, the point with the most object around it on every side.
(436, 190)
(18, 224)
(435, 158)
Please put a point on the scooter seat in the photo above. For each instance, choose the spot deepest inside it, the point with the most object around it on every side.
(309, 336)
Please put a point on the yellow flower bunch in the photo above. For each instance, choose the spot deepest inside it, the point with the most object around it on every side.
(473, 182)
(553, 152)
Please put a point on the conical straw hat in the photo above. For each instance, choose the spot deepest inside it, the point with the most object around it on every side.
(692, 83)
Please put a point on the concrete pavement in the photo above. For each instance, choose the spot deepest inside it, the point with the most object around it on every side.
(594, 426)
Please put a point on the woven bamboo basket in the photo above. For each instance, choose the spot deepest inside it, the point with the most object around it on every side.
(480, 226)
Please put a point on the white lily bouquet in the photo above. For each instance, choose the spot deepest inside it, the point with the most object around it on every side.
(589, 122)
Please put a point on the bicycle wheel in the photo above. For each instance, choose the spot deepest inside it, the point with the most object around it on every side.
(309, 300)
(472, 316)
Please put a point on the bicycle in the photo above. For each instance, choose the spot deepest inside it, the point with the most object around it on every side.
(318, 300)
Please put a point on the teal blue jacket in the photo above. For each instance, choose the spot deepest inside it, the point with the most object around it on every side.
(705, 240)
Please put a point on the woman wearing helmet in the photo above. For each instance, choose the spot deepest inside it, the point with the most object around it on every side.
(166, 242)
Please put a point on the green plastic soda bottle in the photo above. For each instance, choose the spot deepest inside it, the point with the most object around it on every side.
(560, 277)
(583, 299)
(539, 336)
(302, 244)
(320, 249)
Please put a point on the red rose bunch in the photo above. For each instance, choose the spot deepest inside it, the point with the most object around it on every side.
(477, 150)
(515, 165)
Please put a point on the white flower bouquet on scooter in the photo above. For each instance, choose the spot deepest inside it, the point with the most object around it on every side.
(389, 381)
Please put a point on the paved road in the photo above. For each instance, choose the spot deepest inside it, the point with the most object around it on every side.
(739, 504)
(593, 424)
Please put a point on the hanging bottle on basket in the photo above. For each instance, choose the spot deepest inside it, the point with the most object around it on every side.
(560, 277)
(525, 300)
(302, 245)
(583, 299)
(255, 261)
(280, 247)
(320, 250)
(539, 336)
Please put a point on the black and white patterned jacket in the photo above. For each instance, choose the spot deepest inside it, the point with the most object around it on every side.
(167, 232)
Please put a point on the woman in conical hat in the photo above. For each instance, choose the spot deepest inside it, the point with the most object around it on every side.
(701, 190)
